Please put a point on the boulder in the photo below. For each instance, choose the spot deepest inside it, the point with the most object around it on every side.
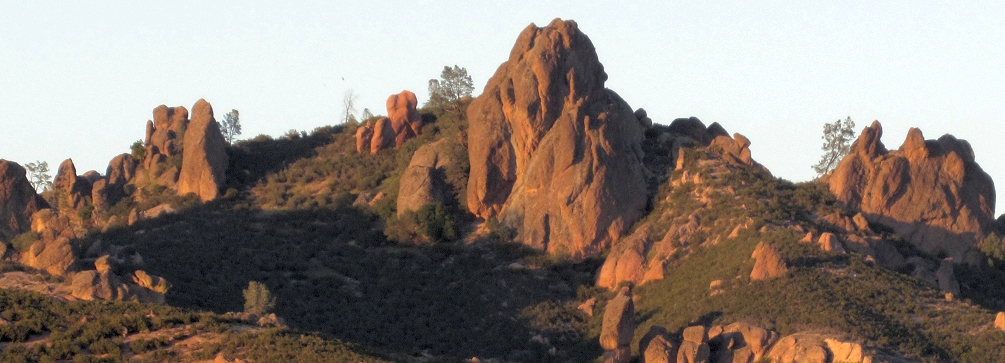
(752, 341)
(94, 285)
(364, 134)
(555, 155)
(57, 249)
(829, 242)
(768, 262)
(946, 277)
(626, 260)
(405, 119)
(931, 192)
(425, 180)
(618, 326)
(383, 135)
(18, 200)
(799, 348)
(691, 352)
(105, 285)
(697, 334)
(204, 163)
(845, 351)
(659, 350)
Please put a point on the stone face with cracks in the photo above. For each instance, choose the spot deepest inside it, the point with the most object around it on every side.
(554, 155)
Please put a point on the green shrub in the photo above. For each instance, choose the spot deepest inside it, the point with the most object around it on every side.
(23, 242)
(257, 298)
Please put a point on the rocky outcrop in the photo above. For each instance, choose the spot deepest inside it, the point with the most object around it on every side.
(659, 350)
(204, 162)
(364, 134)
(164, 134)
(405, 119)
(424, 181)
(618, 327)
(402, 124)
(768, 262)
(554, 155)
(931, 192)
(70, 188)
(829, 242)
(946, 277)
(57, 249)
(108, 191)
(799, 348)
(694, 348)
(103, 284)
(18, 200)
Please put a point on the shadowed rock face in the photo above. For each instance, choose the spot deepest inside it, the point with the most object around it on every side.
(931, 192)
(68, 184)
(18, 200)
(204, 163)
(424, 181)
(555, 155)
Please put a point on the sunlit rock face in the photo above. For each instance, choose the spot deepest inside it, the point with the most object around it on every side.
(931, 192)
(554, 155)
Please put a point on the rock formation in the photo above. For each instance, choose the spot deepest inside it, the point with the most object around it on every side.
(659, 350)
(554, 155)
(70, 188)
(103, 284)
(694, 348)
(405, 119)
(58, 247)
(618, 327)
(204, 163)
(403, 123)
(18, 200)
(109, 190)
(799, 348)
(424, 181)
(164, 134)
(768, 264)
(931, 192)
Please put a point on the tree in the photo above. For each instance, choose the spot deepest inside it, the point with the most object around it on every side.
(38, 175)
(837, 138)
(349, 99)
(454, 84)
(257, 298)
(231, 126)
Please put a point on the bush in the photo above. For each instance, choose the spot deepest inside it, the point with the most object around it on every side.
(23, 242)
(257, 298)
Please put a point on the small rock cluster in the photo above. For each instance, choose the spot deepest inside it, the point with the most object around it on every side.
(402, 123)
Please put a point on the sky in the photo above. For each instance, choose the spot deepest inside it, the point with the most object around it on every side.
(80, 80)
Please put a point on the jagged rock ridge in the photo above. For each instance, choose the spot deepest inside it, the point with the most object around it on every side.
(931, 192)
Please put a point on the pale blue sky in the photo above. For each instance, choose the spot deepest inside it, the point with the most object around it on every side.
(81, 80)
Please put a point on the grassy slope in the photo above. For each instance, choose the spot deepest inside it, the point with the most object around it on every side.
(823, 291)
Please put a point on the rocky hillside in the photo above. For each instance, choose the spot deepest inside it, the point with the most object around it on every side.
(544, 220)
